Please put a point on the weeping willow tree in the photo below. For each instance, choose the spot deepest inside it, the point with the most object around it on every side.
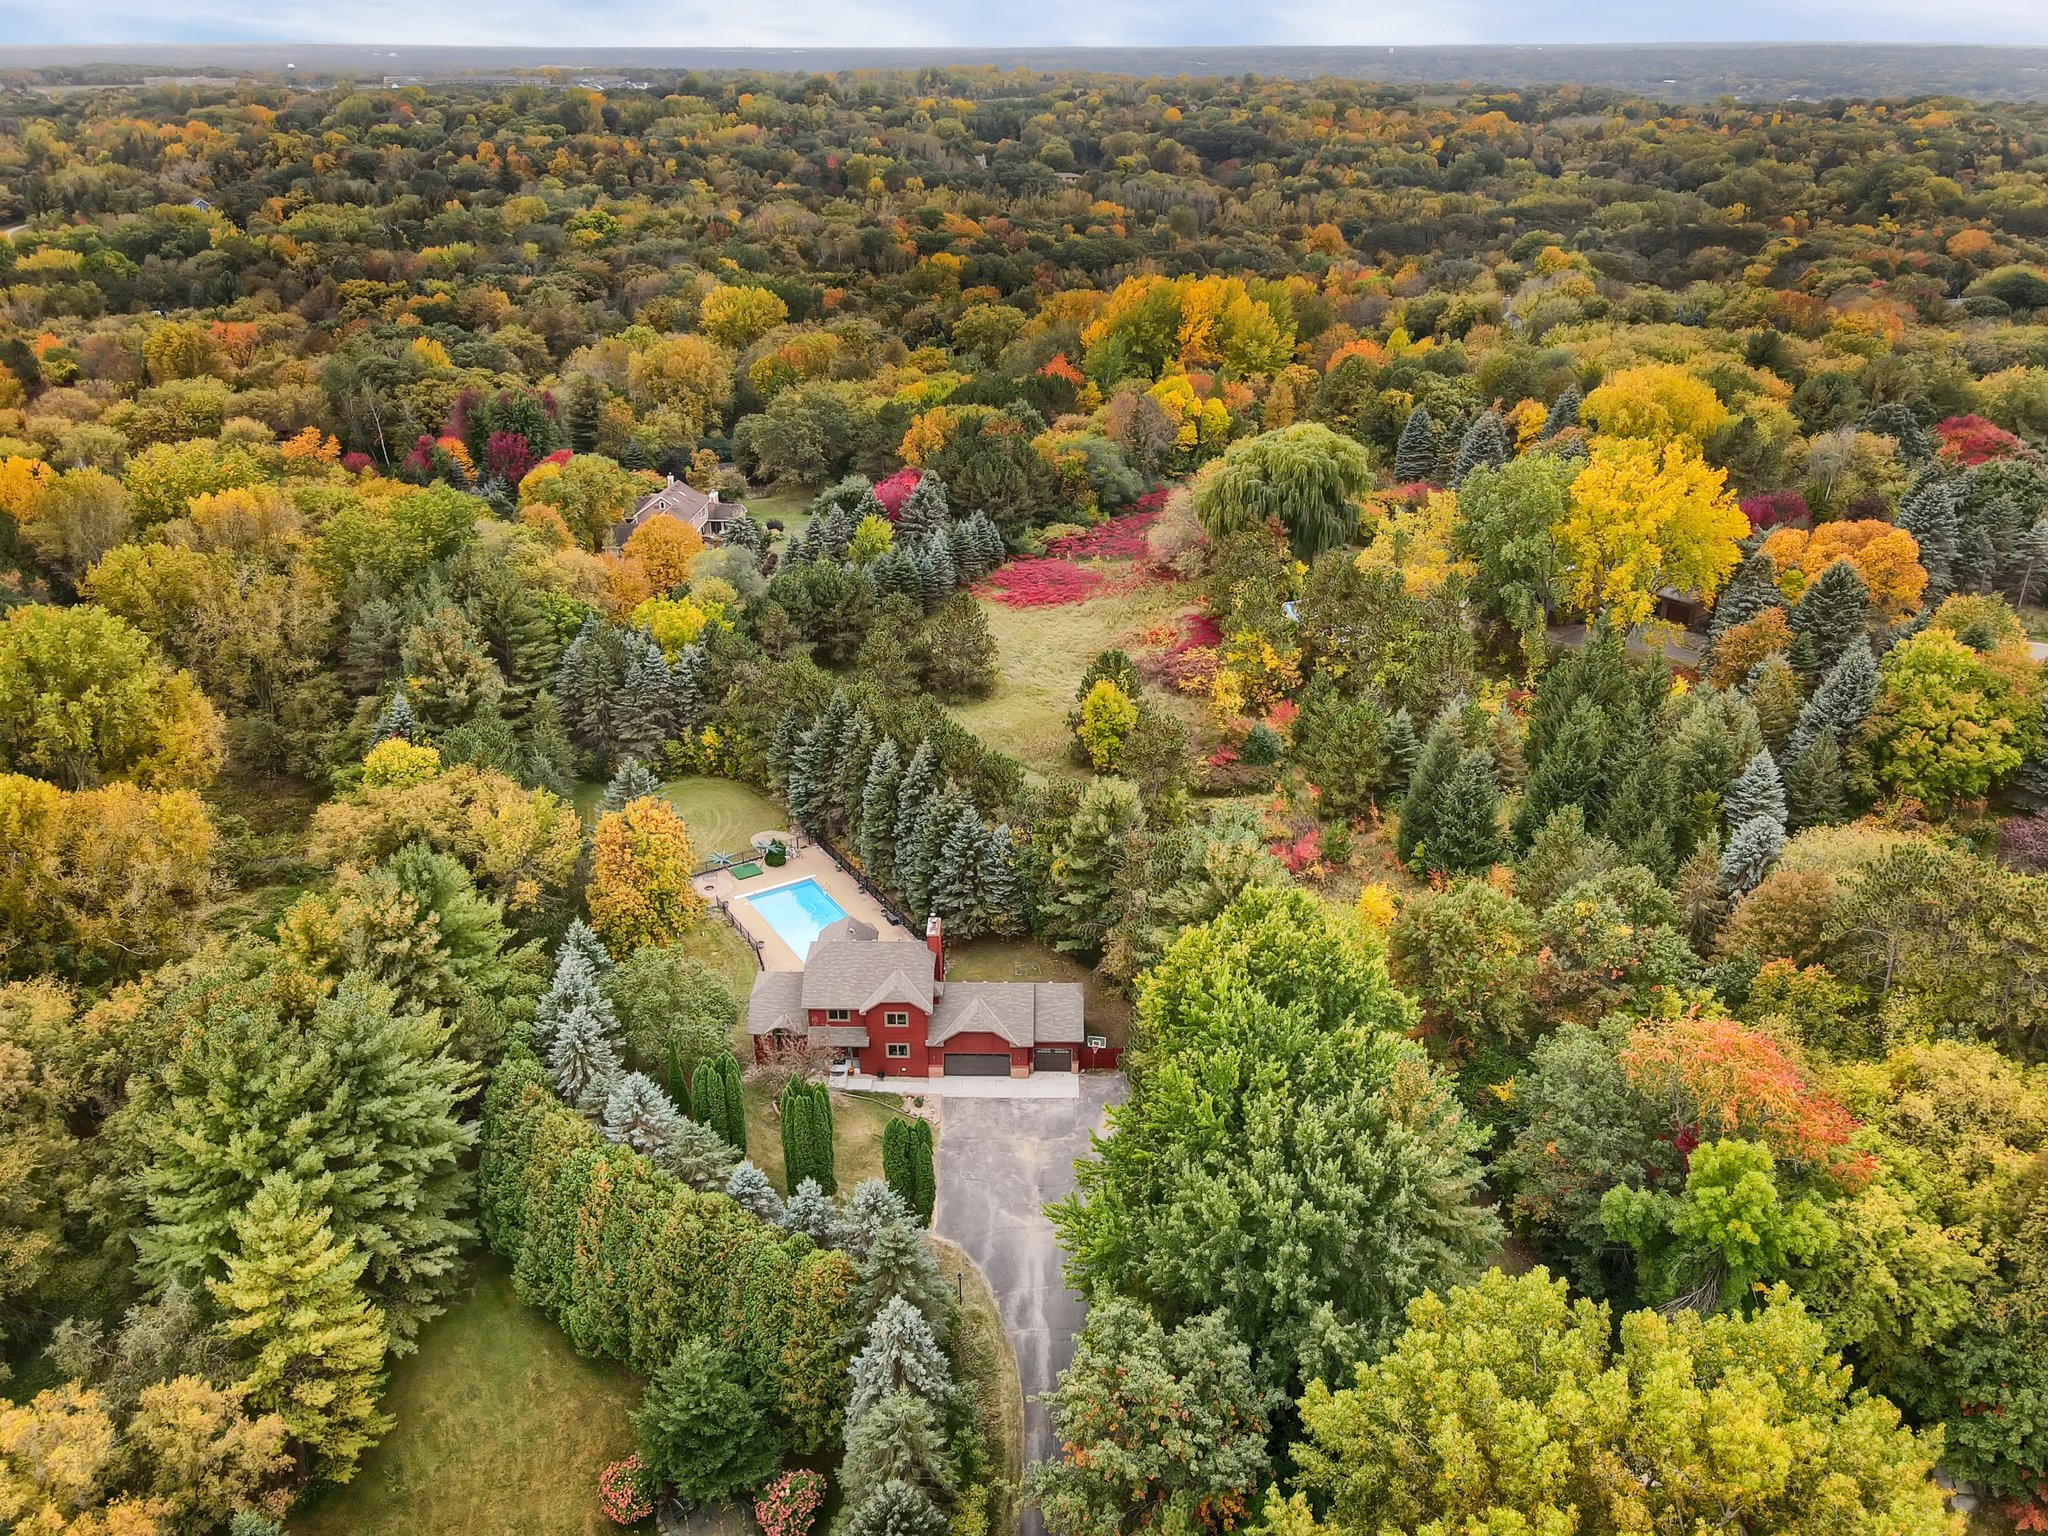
(1304, 477)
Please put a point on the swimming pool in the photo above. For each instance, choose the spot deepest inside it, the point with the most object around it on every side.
(798, 913)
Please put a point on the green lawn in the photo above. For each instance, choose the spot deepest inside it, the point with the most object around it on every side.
(857, 1122)
(1041, 654)
(988, 1361)
(723, 815)
(502, 1430)
(1106, 1010)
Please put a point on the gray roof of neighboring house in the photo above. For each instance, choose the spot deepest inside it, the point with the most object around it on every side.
(1022, 1012)
(678, 499)
(862, 973)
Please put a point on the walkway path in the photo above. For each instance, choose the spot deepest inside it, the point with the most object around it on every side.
(1000, 1162)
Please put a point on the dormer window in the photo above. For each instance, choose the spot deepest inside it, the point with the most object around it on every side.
(838, 1015)
(896, 1018)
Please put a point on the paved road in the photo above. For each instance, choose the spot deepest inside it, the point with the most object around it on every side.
(1000, 1162)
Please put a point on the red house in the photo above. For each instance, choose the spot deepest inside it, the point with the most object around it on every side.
(885, 1007)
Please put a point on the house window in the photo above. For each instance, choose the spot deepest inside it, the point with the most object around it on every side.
(898, 1050)
(838, 1015)
(896, 1018)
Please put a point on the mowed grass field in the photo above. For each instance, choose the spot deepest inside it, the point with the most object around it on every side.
(1041, 654)
(502, 1430)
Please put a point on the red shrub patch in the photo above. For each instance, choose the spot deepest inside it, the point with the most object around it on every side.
(1777, 509)
(895, 490)
(1120, 538)
(1041, 583)
(1971, 440)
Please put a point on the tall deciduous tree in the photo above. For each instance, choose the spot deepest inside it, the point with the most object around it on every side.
(1305, 477)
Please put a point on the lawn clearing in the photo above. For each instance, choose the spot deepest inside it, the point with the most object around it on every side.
(502, 1427)
(723, 815)
(988, 1361)
(1105, 1011)
(1040, 656)
(857, 1122)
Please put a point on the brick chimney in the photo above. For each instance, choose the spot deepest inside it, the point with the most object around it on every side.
(935, 941)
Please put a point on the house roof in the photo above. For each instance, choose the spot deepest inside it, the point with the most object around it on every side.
(862, 972)
(777, 1002)
(1024, 1013)
(682, 501)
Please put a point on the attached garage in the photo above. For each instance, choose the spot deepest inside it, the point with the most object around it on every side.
(977, 1064)
(1046, 1059)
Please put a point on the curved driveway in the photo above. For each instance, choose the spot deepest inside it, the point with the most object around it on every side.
(1001, 1161)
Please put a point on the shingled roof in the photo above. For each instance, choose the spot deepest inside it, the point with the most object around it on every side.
(1021, 1012)
(863, 973)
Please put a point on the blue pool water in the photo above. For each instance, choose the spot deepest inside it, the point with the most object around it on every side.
(798, 913)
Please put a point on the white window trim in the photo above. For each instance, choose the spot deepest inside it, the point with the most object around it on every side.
(898, 1050)
(896, 1018)
(838, 1015)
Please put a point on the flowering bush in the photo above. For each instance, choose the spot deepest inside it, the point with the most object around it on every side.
(624, 1492)
(788, 1505)
(1042, 583)
(1776, 509)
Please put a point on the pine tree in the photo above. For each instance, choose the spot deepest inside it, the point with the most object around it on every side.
(583, 1059)
(1485, 445)
(1841, 703)
(857, 748)
(894, 1509)
(899, 1438)
(956, 882)
(1833, 613)
(699, 1431)
(1750, 853)
(1403, 752)
(900, 1354)
(1571, 771)
(925, 509)
(917, 861)
(812, 1212)
(1415, 453)
(878, 814)
(633, 781)
(1433, 769)
(1757, 791)
(397, 720)
(314, 1344)
(1774, 695)
(1564, 412)
(639, 1115)
(700, 1158)
(1091, 858)
(900, 1263)
(1752, 590)
(1000, 905)
(749, 1189)
(1815, 788)
(1465, 835)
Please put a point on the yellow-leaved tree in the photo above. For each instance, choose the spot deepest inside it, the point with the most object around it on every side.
(1656, 402)
(640, 891)
(1642, 518)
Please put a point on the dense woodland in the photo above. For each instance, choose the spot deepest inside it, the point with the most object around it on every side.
(1583, 1075)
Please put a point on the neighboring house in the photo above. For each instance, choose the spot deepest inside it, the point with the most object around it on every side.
(702, 510)
(886, 1007)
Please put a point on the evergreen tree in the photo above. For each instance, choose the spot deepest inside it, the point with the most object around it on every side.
(894, 1509)
(1816, 791)
(824, 1151)
(915, 792)
(633, 781)
(314, 1344)
(1774, 695)
(1485, 444)
(900, 1263)
(1564, 412)
(924, 510)
(1752, 590)
(799, 1140)
(924, 1180)
(1465, 835)
(1931, 511)
(899, 1354)
(917, 859)
(1572, 770)
(1090, 865)
(733, 1100)
(899, 1438)
(1750, 853)
(582, 938)
(907, 1165)
(583, 1060)
(956, 882)
(858, 744)
(811, 1211)
(1841, 703)
(1440, 758)
(575, 985)
(699, 1431)
(1415, 453)
(1000, 907)
(1757, 791)
(1833, 613)
(397, 720)
(749, 1189)
(640, 719)
(873, 1205)
(879, 816)
(700, 1157)
(1403, 751)
(639, 1115)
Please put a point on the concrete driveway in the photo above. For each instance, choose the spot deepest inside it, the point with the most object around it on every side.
(1001, 1161)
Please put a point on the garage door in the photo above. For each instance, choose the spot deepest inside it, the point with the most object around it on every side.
(1045, 1059)
(975, 1064)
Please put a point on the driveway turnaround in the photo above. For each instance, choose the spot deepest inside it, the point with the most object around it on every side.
(1000, 1162)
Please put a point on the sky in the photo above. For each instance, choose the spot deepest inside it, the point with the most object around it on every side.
(1042, 23)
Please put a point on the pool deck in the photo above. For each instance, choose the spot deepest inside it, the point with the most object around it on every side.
(808, 863)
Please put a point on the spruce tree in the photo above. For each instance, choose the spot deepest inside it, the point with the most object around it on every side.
(633, 781)
(1000, 908)
(899, 1438)
(1433, 769)
(925, 509)
(956, 883)
(894, 1509)
(1833, 613)
(398, 720)
(639, 1115)
(1403, 751)
(1090, 862)
(313, 1345)
(1564, 412)
(899, 1354)
(914, 794)
(878, 815)
(1815, 787)
(857, 747)
(1415, 453)
(1841, 703)
(1571, 771)
(811, 1211)
(582, 938)
(583, 1061)
(1750, 853)
(872, 1206)
(574, 986)
(1485, 445)
(749, 1189)
(1931, 511)
(1757, 791)
(700, 1158)
(1751, 591)
(899, 1262)
(1465, 836)
(699, 1431)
